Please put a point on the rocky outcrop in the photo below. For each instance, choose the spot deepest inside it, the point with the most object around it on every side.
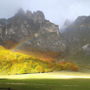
(86, 49)
(77, 36)
(32, 33)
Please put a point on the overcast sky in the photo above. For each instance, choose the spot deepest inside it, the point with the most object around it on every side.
(56, 11)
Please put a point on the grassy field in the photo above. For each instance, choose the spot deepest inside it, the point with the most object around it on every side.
(46, 81)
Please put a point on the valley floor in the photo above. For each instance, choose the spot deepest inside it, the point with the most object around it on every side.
(46, 81)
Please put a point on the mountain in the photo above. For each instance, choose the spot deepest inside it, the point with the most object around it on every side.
(77, 36)
(31, 33)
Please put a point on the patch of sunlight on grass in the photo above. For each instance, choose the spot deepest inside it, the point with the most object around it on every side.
(52, 75)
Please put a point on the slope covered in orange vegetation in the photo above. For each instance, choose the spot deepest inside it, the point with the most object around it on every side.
(12, 62)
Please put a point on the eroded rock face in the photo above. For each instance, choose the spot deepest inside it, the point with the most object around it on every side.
(86, 49)
(77, 34)
(32, 33)
(47, 39)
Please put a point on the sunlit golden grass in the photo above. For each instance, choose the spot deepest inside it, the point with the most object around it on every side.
(52, 75)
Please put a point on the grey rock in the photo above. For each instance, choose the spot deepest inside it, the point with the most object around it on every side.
(77, 35)
(86, 49)
(31, 32)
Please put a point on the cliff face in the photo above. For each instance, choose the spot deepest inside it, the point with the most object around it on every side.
(77, 36)
(20, 26)
(32, 33)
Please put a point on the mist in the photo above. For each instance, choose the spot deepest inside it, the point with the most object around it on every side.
(56, 11)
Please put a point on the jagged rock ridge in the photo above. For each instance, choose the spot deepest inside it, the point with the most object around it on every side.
(77, 36)
(32, 33)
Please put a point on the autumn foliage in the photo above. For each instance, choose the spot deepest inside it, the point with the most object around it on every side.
(17, 63)
(66, 65)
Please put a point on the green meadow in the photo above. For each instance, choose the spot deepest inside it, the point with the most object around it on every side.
(51, 81)
(46, 84)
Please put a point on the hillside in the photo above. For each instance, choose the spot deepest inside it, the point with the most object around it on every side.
(77, 36)
(17, 63)
(12, 62)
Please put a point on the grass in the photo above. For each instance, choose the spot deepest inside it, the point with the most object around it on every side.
(46, 84)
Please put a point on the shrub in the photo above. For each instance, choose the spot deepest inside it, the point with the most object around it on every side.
(65, 65)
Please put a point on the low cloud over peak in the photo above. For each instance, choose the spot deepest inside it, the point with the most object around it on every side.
(57, 10)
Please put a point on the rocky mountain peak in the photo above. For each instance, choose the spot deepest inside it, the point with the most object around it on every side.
(29, 14)
(38, 17)
(32, 33)
(77, 36)
(20, 12)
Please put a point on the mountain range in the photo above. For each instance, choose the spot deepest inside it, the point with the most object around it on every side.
(32, 34)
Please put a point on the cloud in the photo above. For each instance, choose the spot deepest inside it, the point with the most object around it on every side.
(55, 10)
